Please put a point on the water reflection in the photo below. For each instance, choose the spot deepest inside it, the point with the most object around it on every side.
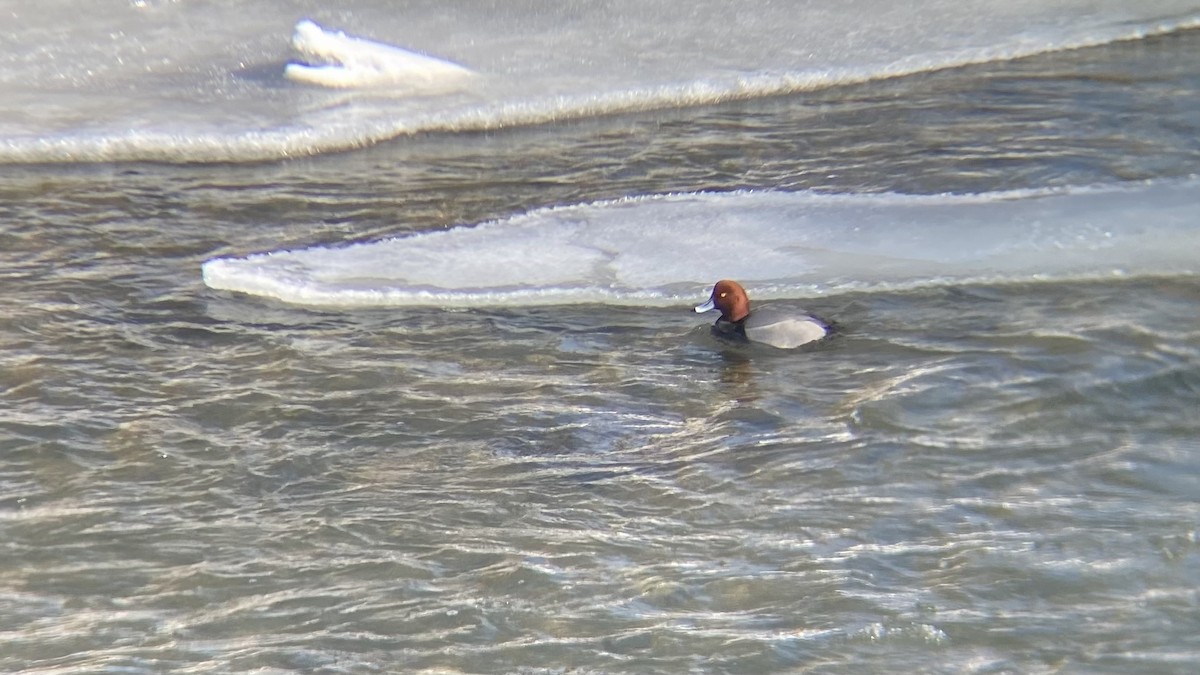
(738, 374)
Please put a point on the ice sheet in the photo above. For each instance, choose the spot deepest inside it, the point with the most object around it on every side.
(198, 82)
(665, 249)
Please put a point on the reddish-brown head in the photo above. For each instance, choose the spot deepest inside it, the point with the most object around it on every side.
(729, 297)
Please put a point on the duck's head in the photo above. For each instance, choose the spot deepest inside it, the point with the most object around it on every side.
(729, 297)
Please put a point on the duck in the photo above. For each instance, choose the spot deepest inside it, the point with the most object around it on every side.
(773, 326)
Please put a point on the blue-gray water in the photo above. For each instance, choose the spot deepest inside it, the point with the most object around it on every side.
(966, 479)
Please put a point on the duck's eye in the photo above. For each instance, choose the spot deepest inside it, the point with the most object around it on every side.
(724, 294)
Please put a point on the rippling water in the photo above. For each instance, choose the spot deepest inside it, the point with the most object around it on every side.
(982, 479)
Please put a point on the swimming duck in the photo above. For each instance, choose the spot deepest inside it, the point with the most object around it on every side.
(772, 326)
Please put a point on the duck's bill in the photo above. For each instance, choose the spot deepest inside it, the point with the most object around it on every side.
(706, 307)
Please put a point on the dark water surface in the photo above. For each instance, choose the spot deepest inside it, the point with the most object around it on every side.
(979, 479)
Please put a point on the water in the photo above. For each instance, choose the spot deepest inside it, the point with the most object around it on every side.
(982, 476)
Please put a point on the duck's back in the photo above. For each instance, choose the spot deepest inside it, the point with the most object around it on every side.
(783, 328)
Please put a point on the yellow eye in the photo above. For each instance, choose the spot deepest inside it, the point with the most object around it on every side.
(724, 294)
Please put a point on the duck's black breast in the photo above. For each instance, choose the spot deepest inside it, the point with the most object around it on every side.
(730, 330)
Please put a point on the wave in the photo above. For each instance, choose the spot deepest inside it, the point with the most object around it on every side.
(182, 83)
(665, 249)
